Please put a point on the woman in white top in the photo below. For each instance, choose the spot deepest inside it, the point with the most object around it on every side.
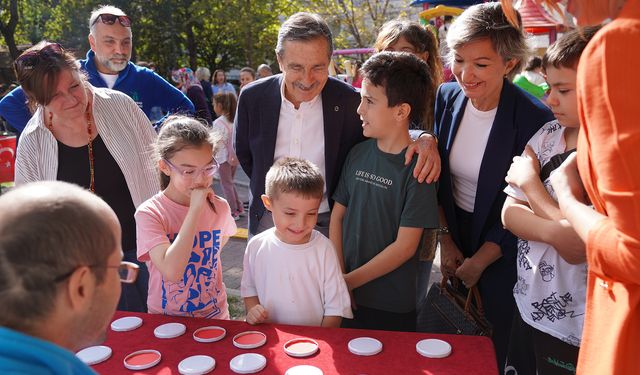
(482, 122)
(94, 137)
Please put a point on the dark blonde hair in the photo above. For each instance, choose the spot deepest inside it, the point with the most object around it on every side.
(228, 102)
(422, 40)
(47, 230)
(181, 132)
(293, 175)
(488, 21)
(38, 70)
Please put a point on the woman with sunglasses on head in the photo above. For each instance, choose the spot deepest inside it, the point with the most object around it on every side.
(607, 161)
(94, 137)
(482, 122)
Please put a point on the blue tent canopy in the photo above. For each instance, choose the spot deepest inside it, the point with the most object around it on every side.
(451, 3)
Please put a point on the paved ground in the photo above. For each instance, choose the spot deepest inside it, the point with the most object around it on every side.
(233, 252)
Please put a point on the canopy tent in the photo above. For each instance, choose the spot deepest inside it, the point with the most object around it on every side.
(536, 20)
(452, 3)
(439, 11)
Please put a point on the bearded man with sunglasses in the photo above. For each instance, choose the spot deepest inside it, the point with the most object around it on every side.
(107, 65)
(60, 273)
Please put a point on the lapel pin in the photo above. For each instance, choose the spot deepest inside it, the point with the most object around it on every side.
(336, 108)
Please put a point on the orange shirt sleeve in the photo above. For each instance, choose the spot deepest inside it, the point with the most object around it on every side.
(610, 109)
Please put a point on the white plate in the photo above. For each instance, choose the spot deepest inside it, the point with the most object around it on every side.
(222, 331)
(145, 365)
(170, 330)
(197, 365)
(128, 323)
(248, 363)
(304, 370)
(258, 339)
(301, 347)
(365, 346)
(433, 348)
(94, 354)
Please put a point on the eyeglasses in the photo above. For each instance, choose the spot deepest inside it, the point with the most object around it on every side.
(208, 170)
(127, 271)
(110, 19)
(31, 58)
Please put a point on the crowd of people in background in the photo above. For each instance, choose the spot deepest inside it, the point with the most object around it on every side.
(523, 170)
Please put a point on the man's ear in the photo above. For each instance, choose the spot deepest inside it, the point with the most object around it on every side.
(92, 42)
(279, 62)
(80, 288)
(403, 111)
(266, 201)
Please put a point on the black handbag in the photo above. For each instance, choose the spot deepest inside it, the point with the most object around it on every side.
(448, 310)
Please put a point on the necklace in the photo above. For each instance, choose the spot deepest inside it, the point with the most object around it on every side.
(90, 147)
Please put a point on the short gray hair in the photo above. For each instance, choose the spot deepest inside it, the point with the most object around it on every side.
(304, 26)
(47, 229)
(203, 74)
(109, 9)
(487, 20)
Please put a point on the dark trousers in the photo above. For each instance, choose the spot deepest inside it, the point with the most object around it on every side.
(368, 318)
(534, 352)
(496, 289)
(134, 296)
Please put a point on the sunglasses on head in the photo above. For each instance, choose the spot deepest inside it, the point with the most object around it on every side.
(110, 19)
(31, 58)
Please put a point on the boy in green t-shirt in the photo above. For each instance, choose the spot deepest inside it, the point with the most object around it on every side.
(380, 210)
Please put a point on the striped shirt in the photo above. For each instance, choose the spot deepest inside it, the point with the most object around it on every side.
(123, 127)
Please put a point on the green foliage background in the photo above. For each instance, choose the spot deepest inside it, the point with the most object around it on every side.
(211, 33)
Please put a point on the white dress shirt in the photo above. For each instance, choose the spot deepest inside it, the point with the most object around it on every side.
(301, 135)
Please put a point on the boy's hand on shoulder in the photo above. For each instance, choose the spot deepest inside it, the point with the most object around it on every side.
(524, 170)
(257, 315)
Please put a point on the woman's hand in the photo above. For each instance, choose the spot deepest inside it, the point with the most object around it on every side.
(469, 272)
(524, 169)
(428, 164)
(450, 256)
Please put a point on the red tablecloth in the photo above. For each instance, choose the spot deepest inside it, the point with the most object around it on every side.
(470, 355)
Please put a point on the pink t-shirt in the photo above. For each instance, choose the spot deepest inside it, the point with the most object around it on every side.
(201, 292)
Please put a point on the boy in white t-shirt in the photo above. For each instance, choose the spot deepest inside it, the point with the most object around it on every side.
(291, 272)
(552, 272)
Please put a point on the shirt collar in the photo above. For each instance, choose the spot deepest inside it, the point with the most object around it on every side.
(286, 101)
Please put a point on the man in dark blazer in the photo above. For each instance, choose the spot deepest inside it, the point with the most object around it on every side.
(304, 96)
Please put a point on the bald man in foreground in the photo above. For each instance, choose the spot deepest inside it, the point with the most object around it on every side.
(60, 273)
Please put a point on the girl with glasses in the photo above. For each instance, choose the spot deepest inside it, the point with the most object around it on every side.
(182, 229)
